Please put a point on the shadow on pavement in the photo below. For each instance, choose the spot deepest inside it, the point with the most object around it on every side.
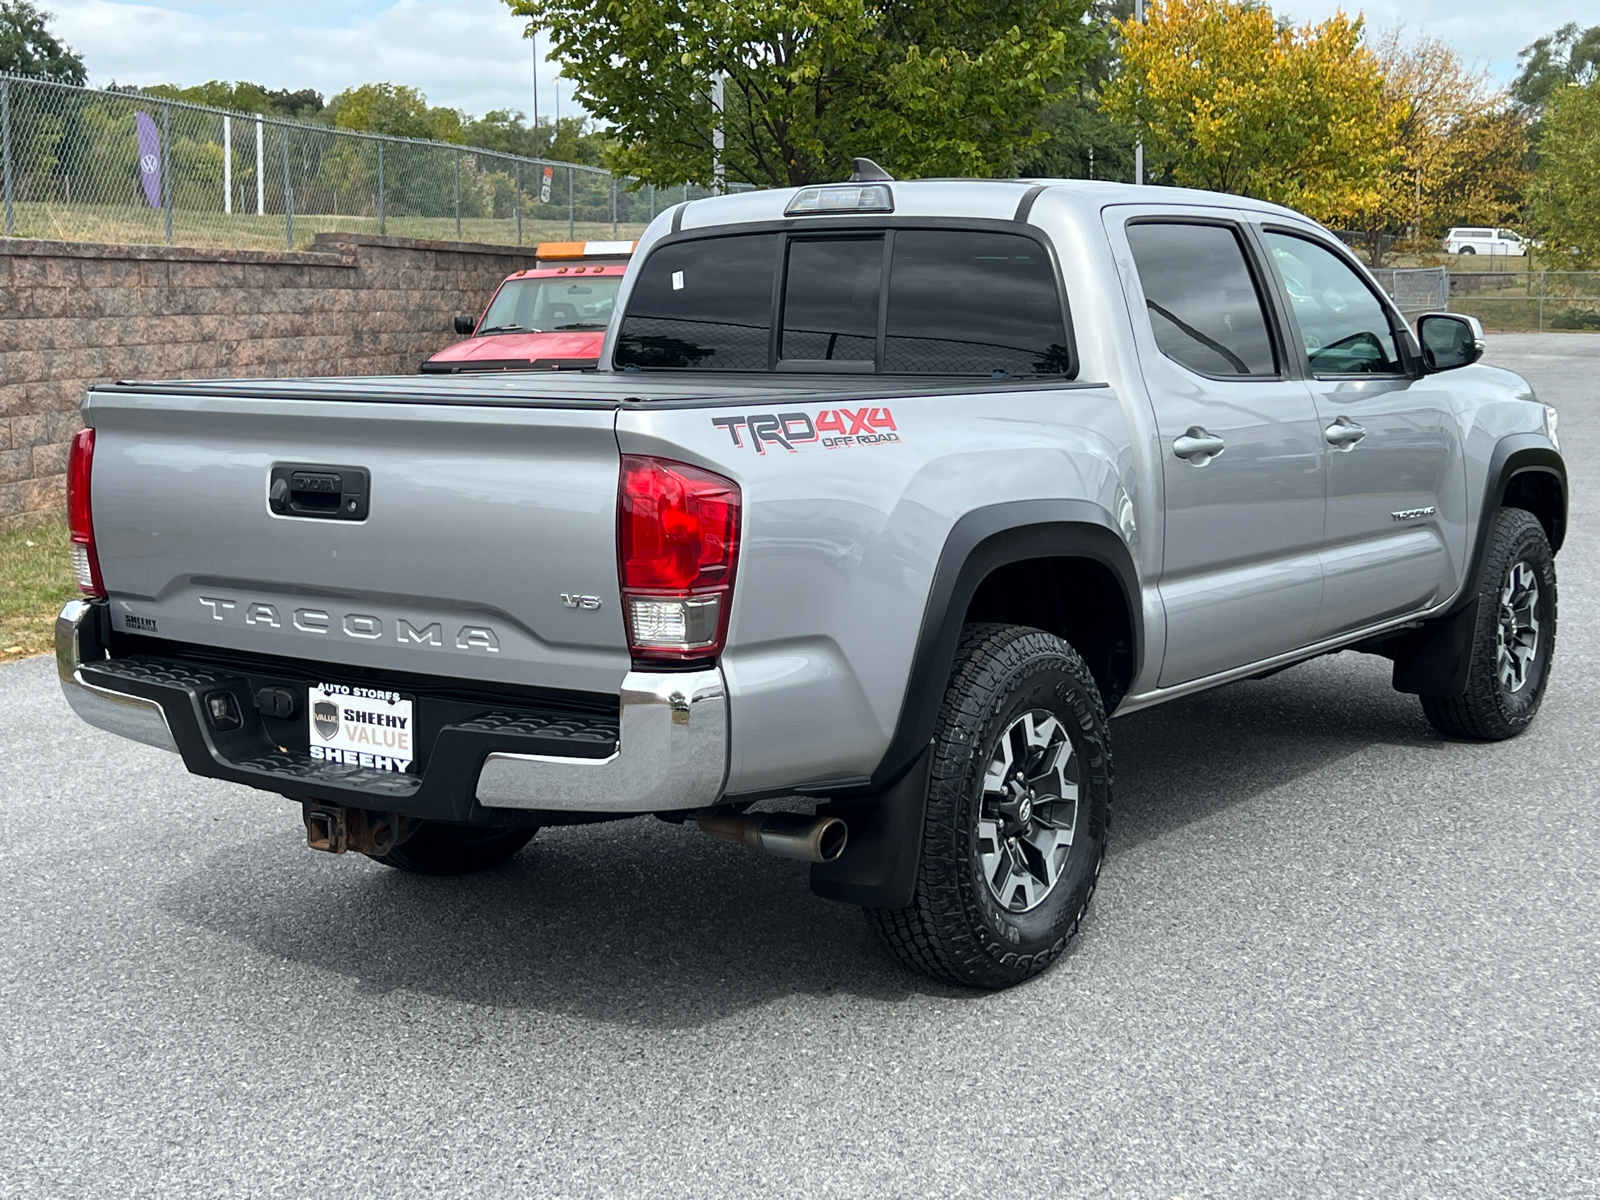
(644, 923)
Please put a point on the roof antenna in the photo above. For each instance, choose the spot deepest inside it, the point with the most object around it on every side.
(866, 171)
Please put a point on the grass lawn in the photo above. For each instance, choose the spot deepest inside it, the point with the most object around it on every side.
(35, 581)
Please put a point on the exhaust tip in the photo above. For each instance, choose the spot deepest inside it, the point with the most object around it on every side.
(785, 835)
(832, 836)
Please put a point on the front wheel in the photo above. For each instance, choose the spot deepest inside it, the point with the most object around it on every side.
(1017, 812)
(1513, 640)
(437, 848)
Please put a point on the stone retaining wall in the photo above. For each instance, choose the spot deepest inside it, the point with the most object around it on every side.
(73, 314)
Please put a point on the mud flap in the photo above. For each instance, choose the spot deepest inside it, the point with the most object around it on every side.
(878, 868)
(1435, 660)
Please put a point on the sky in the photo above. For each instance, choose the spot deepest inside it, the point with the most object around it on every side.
(470, 54)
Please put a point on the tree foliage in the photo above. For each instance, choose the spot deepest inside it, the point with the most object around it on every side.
(396, 110)
(1569, 55)
(1229, 100)
(924, 87)
(1080, 141)
(303, 105)
(1458, 150)
(27, 47)
(1565, 199)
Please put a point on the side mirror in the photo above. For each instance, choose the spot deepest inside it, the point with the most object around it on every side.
(1449, 340)
(465, 324)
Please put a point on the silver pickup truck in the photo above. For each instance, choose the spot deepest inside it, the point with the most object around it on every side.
(886, 496)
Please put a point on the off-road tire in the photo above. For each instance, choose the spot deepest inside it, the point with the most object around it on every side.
(1489, 711)
(438, 848)
(955, 930)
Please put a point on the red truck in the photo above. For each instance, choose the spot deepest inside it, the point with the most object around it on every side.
(552, 318)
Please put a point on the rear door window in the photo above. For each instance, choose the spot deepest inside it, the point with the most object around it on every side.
(1205, 309)
(973, 303)
(705, 304)
(830, 301)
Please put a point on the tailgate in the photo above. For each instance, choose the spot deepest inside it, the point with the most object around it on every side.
(487, 550)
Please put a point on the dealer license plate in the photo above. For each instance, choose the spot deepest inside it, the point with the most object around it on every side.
(361, 727)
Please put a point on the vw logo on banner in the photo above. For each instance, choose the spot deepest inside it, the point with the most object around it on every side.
(149, 157)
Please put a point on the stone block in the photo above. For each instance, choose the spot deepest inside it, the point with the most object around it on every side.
(51, 459)
(42, 429)
(16, 465)
(41, 495)
(10, 499)
(5, 433)
(21, 366)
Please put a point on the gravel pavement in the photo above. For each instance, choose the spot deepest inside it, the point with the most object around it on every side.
(1332, 955)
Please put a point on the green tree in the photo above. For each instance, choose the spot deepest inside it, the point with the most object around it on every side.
(1564, 198)
(923, 87)
(303, 105)
(397, 110)
(27, 47)
(1230, 100)
(1080, 141)
(1569, 55)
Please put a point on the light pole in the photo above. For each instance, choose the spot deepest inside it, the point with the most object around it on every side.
(536, 93)
(719, 180)
(1138, 143)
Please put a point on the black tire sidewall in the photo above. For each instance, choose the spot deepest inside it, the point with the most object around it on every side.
(1029, 669)
(1526, 545)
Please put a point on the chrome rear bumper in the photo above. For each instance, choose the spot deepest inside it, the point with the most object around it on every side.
(671, 750)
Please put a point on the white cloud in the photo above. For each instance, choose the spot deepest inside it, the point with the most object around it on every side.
(1487, 34)
(463, 53)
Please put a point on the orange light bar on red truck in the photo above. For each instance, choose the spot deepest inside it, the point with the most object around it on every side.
(551, 253)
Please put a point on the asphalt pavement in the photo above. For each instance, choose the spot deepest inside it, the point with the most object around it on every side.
(1331, 955)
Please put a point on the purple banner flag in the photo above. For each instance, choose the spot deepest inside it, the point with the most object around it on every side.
(149, 157)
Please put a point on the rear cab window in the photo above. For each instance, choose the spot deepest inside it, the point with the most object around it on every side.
(896, 301)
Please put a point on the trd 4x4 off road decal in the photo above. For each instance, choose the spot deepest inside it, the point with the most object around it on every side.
(832, 429)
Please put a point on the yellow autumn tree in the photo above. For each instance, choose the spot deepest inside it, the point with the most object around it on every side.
(1228, 100)
(1458, 149)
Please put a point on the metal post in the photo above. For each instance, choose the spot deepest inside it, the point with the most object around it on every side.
(652, 190)
(458, 195)
(535, 95)
(261, 173)
(613, 207)
(227, 164)
(1541, 297)
(571, 213)
(288, 193)
(1138, 145)
(519, 203)
(5, 138)
(166, 166)
(719, 181)
(383, 222)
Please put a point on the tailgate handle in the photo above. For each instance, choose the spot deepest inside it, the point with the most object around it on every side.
(321, 492)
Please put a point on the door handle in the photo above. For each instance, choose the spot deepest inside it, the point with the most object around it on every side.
(1344, 433)
(1197, 446)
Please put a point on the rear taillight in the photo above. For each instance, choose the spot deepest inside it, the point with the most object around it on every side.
(80, 520)
(677, 546)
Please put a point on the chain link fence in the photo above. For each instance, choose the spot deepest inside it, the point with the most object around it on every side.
(84, 164)
(1416, 290)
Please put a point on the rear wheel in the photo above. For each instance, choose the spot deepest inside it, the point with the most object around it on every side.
(1466, 250)
(1017, 811)
(1513, 640)
(437, 848)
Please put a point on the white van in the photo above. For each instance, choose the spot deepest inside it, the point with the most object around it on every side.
(1483, 241)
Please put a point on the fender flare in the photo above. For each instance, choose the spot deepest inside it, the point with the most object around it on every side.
(1435, 659)
(879, 865)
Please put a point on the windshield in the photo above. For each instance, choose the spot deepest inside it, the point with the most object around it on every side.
(550, 304)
